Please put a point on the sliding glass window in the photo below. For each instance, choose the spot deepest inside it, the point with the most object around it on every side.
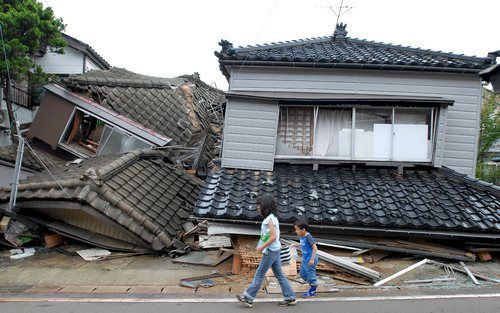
(381, 133)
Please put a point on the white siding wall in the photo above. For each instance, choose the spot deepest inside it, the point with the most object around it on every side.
(90, 65)
(458, 123)
(71, 62)
(250, 134)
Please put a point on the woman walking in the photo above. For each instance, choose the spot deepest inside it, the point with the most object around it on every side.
(269, 245)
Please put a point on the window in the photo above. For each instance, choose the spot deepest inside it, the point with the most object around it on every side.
(413, 134)
(380, 133)
(372, 138)
(114, 140)
(87, 135)
(313, 131)
(295, 131)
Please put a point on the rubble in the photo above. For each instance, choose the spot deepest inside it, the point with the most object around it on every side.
(93, 254)
(21, 253)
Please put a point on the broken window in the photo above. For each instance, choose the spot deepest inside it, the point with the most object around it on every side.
(114, 140)
(83, 134)
(87, 135)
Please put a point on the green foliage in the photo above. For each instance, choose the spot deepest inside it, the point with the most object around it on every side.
(28, 28)
(489, 133)
(488, 173)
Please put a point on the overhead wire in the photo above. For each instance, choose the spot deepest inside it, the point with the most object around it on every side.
(45, 167)
(260, 31)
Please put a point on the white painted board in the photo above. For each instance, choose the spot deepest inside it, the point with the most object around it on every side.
(410, 142)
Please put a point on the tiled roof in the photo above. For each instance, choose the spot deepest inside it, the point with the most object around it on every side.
(139, 190)
(9, 154)
(340, 51)
(180, 108)
(86, 49)
(436, 199)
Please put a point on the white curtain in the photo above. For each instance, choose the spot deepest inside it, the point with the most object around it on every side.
(329, 125)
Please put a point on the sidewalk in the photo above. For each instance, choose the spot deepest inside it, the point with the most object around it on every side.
(56, 274)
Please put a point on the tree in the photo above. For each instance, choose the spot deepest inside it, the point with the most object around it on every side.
(27, 28)
(489, 132)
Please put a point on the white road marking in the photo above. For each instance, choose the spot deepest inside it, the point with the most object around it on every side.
(232, 300)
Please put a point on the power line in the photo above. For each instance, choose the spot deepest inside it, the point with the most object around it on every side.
(45, 167)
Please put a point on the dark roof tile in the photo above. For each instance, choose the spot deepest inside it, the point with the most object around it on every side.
(139, 179)
(341, 51)
(334, 195)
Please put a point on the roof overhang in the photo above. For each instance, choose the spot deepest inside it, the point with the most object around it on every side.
(376, 231)
(492, 75)
(86, 50)
(488, 72)
(110, 116)
(365, 66)
(338, 98)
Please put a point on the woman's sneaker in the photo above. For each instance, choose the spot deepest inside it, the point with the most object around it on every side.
(310, 293)
(288, 302)
(245, 301)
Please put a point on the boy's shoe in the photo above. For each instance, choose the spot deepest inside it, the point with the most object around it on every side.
(310, 293)
(245, 301)
(288, 302)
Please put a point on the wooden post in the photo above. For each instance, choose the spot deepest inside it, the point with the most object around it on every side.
(236, 264)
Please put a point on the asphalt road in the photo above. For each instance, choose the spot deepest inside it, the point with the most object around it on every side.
(467, 305)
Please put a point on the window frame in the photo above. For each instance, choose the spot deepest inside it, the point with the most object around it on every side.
(112, 126)
(434, 114)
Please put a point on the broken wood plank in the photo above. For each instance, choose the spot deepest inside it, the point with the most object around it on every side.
(363, 251)
(214, 241)
(456, 269)
(404, 271)
(53, 240)
(377, 255)
(347, 266)
(4, 223)
(215, 228)
(338, 246)
(236, 264)
(484, 256)
(210, 258)
(469, 273)
(429, 281)
(393, 246)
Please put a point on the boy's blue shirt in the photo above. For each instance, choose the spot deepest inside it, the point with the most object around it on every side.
(306, 244)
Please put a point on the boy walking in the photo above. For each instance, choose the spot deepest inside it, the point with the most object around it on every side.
(309, 257)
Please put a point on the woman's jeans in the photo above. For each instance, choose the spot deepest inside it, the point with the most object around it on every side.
(270, 259)
(308, 272)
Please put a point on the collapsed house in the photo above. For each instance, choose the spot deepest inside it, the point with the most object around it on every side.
(373, 144)
(116, 111)
(101, 119)
(137, 201)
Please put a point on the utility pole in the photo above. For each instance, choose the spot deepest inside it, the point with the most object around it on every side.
(17, 170)
(14, 131)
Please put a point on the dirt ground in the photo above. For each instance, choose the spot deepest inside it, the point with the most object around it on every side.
(54, 271)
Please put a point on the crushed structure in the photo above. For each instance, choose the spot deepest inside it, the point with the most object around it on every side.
(131, 202)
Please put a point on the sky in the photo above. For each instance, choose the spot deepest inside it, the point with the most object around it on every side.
(171, 38)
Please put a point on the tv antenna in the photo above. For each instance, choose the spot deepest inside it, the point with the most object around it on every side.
(338, 11)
